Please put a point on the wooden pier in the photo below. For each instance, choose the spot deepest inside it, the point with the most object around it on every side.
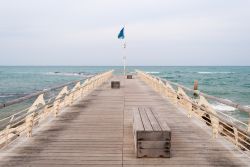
(97, 131)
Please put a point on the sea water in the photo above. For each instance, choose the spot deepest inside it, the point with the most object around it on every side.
(227, 82)
(19, 81)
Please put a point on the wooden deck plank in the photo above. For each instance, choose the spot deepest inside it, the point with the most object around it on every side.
(145, 121)
(98, 132)
(155, 124)
(138, 124)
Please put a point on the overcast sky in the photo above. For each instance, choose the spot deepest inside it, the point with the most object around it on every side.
(158, 32)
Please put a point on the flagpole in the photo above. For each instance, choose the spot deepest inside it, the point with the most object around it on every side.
(124, 59)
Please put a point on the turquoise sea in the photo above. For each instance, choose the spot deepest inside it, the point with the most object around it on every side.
(232, 83)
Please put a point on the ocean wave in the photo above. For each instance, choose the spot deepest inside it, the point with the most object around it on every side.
(69, 74)
(207, 72)
(168, 77)
(152, 72)
(6, 95)
(223, 107)
(247, 106)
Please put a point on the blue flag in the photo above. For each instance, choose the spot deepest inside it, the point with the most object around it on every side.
(121, 34)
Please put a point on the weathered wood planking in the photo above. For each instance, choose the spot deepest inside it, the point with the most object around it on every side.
(97, 132)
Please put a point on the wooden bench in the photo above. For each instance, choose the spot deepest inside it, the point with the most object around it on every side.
(115, 84)
(129, 76)
(151, 137)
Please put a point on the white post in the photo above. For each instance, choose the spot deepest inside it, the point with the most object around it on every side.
(124, 66)
(124, 59)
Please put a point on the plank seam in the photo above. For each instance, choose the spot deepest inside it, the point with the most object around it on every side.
(156, 118)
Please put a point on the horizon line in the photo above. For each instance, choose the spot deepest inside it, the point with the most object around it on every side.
(126, 66)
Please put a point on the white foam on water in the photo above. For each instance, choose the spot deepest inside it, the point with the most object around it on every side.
(247, 106)
(66, 74)
(207, 72)
(223, 107)
(5, 95)
(152, 72)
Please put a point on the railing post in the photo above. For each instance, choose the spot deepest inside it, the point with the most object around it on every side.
(57, 103)
(162, 88)
(248, 128)
(84, 90)
(214, 120)
(166, 91)
(81, 91)
(45, 111)
(66, 100)
(7, 131)
(215, 130)
(72, 98)
(57, 107)
(236, 136)
(93, 82)
(184, 101)
(196, 91)
(30, 123)
(170, 93)
(87, 88)
(31, 114)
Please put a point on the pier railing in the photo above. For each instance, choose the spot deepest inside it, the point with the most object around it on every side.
(232, 129)
(23, 122)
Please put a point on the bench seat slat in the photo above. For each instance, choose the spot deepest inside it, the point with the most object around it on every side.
(145, 121)
(137, 124)
(155, 124)
(164, 125)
